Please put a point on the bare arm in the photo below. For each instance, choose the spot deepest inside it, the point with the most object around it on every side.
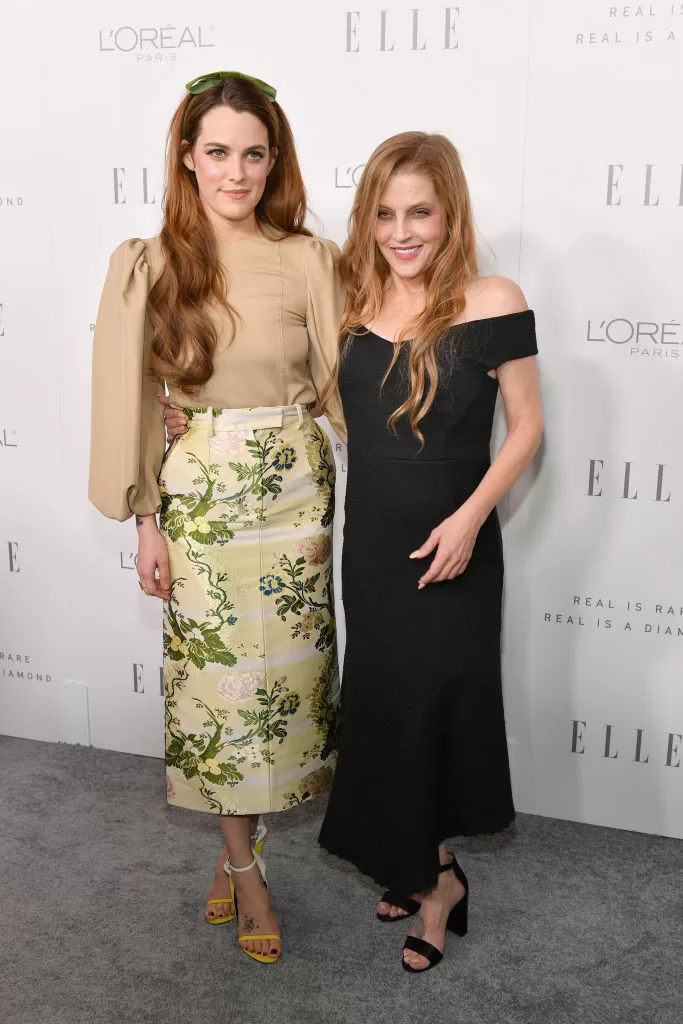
(152, 558)
(455, 537)
(453, 540)
(521, 394)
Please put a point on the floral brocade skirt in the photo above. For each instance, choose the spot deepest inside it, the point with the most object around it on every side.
(250, 659)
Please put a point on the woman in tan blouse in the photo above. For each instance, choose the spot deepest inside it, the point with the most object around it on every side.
(235, 307)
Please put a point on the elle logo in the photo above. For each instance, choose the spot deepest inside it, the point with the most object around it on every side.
(640, 748)
(141, 183)
(138, 682)
(13, 549)
(412, 34)
(596, 466)
(648, 186)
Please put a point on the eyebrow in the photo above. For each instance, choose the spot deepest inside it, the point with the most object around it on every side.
(415, 206)
(222, 145)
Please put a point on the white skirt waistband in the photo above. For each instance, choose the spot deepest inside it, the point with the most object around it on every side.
(216, 420)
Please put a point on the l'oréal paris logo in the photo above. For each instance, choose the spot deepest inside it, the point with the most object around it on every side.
(654, 339)
(158, 45)
(644, 185)
(347, 177)
(387, 30)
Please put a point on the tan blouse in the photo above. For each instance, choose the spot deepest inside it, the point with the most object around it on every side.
(284, 348)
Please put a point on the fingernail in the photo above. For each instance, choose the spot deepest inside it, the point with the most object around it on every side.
(414, 554)
(421, 586)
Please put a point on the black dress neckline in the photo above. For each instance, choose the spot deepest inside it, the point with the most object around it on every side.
(463, 323)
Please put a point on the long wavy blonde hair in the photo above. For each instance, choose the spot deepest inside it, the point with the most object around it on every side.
(192, 278)
(364, 270)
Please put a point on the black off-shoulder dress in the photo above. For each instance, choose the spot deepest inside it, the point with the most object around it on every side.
(423, 747)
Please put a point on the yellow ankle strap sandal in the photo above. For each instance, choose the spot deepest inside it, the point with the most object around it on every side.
(263, 958)
(257, 841)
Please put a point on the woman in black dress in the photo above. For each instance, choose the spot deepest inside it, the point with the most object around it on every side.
(425, 346)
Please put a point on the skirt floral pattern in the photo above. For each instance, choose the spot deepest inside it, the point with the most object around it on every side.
(250, 659)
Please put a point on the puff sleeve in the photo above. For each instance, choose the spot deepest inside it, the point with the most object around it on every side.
(127, 426)
(325, 307)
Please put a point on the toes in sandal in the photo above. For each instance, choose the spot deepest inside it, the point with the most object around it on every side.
(397, 899)
(262, 958)
(223, 918)
(457, 922)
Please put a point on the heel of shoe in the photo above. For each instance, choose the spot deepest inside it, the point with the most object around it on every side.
(457, 919)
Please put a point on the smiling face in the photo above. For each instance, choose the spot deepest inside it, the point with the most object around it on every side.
(411, 224)
(231, 160)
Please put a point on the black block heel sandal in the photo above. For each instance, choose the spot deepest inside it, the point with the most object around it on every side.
(457, 922)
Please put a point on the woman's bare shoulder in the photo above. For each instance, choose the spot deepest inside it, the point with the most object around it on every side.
(493, 296)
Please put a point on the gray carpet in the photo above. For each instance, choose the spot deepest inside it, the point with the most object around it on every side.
(102, 891)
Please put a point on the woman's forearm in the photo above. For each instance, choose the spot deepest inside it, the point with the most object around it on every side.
(146, 523)
(516, 452)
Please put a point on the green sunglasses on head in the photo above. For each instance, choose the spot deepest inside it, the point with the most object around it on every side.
(204, 82)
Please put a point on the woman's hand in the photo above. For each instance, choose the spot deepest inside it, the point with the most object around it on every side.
(175, 420)
(152, 556)
(453, 540)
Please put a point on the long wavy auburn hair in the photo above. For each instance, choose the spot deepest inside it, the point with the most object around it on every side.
(364, 270)
(192, 280)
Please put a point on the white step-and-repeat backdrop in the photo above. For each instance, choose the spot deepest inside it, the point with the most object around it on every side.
(567, 117)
